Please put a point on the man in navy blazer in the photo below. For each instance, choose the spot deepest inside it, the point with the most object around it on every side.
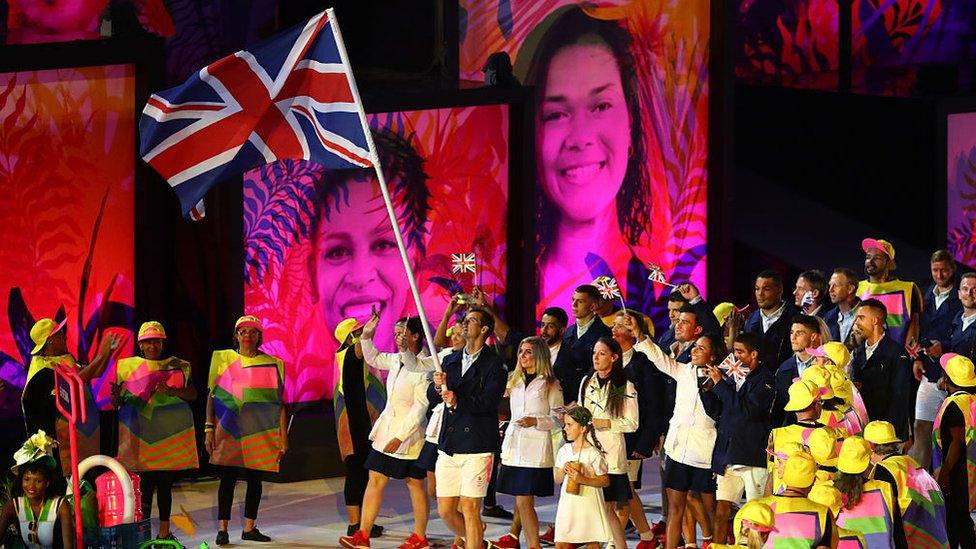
(842, 289)
(739, 456)
(882, 371)
(771, 320)
(804, 334)
(471, 384)
(581, 337)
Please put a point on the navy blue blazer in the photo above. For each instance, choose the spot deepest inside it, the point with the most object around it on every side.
(651, 403)
(886, 384)
(743, 428)
(775, 341)
(830, 318)
(570, 370)
(471, 427)
(937, 324)
(952, 336)
(666, 339)
(785, 374)
(584, 345)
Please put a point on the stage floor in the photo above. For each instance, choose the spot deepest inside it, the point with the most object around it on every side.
(312, 513)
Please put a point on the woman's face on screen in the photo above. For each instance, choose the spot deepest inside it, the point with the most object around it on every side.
(357, 264)
(583, 134)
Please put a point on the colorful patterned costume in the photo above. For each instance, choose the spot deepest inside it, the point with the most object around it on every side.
(967, 404)
(872, 516)
(800, 523)
(156, 430)
(88, 433)
(247, 393)
(375, 402)
(919, 501)
(899, 297)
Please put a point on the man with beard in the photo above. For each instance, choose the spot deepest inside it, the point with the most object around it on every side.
(881, 370)
(843, 295)
(902, 299)
(772, 320)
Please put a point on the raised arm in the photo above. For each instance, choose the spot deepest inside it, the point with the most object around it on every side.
(97, 366)
(440, 336)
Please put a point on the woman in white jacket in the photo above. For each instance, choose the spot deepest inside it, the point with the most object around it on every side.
(527, 457)
(398, 433)
(613, 400)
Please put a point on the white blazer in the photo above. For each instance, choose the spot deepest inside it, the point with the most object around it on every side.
(594, 398)
(404, 416)
(532, 446)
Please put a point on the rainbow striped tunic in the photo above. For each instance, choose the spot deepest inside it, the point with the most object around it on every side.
(247, 394)
(156, 430)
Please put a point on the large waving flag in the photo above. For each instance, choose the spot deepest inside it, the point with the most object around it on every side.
(290, 96)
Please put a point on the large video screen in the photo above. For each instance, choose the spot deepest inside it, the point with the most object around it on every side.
(961, 187)
(67, 148)
(319, 246)
(621, 136)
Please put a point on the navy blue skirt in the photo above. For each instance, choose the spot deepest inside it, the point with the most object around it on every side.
(525, 481)
(619, 488)
(393, 467)
(427, 460)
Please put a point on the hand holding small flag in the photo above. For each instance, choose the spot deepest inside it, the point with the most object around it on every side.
(734, 368)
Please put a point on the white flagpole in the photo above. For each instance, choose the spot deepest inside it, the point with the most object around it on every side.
(374, 158)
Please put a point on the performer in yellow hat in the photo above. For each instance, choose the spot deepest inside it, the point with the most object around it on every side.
(157, 437)
(40, 413)
(869, 505)
(954, 450)
(245, 431)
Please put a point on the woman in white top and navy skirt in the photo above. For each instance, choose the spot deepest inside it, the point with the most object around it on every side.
(398, 433)
(613, 400)
(527, 456)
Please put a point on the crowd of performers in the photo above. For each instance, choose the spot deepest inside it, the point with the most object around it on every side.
(843, 417)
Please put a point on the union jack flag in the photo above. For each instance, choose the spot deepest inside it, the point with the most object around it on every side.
(656, 274)
(734, 368)
(462, 263)
(607, 287)
(290, 96)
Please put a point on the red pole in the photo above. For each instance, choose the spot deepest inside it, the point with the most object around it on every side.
(71, 413)
(76, 485)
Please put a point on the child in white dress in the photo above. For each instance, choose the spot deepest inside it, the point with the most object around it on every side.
(581, 519)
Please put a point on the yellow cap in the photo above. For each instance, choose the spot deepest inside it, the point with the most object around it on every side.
(837, 353)
(819, 376)
(826, 495)
(757, 516)
(344, 328)
(151, 330)
(841, 386)
(880, 432)
(883, 246)
(824, 444)
(722, 312)
(958, 368)
(855, 456)
(42, 330)
(248, 321)
(802, 395)
(800, 470)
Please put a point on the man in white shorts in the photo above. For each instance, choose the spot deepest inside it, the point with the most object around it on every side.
(473, 381)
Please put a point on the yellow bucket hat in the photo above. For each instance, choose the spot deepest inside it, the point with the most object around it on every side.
(958, 368)
(800, 470)
(826, 495)
(802, 395)
(819, 376)
(855, 456)
(42, 330)
(880, 432)
(346, 327)
(824, 444)
(758, 516)
(722, 312)
(151, 330)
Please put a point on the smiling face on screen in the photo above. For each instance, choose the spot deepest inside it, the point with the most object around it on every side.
(583, 135)
(356, 266)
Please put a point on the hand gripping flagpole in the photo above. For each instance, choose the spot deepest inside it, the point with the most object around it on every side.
(374, 158)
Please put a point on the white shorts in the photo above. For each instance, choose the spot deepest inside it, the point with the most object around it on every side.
(928, 400)
(750, 481)
(633, 469)
(465, 475)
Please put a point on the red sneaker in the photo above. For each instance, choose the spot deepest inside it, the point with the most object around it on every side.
(508, 541)
(457, 544)
(706, 543)
(659, 528)
(647, 544)
(415, 542)
(359, 540)
(549, 538)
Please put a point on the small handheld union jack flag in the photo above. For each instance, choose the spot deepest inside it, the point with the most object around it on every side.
(657, 275)
(734, 368)
(607, 287)
(462, 263)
